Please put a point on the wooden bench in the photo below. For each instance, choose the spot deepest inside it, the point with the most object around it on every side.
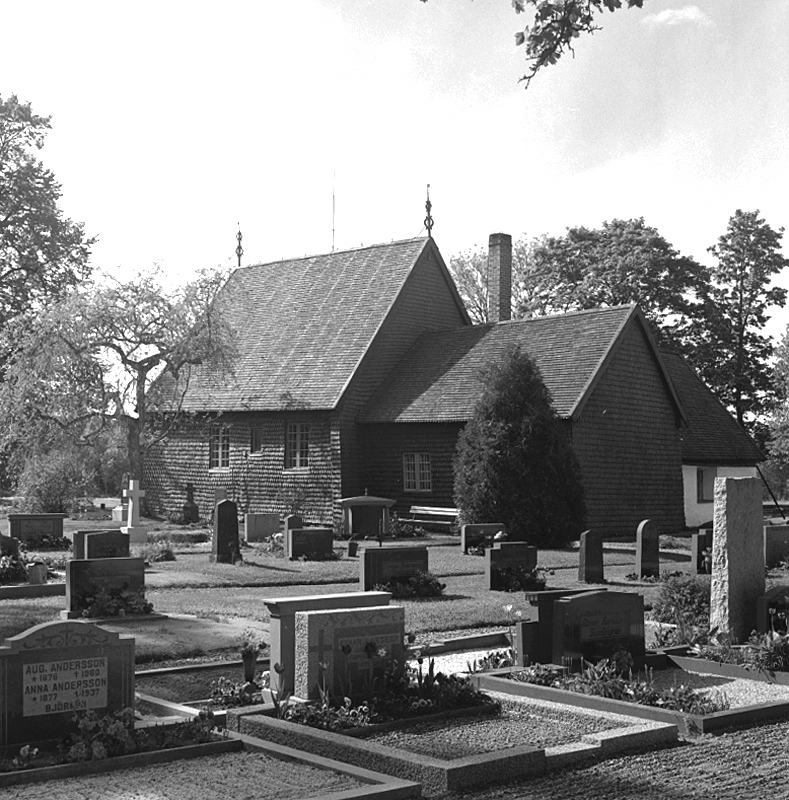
(445, 519)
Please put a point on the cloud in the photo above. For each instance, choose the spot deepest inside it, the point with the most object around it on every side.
(689, 15)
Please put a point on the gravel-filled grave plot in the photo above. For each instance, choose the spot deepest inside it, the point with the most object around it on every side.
(520, 723)
(232, 776)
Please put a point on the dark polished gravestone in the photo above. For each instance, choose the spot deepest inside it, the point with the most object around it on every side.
(225, 547)
(84, 578)
(507, 560)
(648, 550)
(595, 625)
(100, 544)
(701, 551)
(534, 637)
(772, 610)
(190, 509)
(473, 534)
(776, 545)
(37, 530)
(590, 558)
(381, 565)
(315, 543)
(53, 670)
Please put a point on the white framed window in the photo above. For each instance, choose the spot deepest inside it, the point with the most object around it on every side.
(219, 447)
(417, 472)
(705, 484)
(297, 445)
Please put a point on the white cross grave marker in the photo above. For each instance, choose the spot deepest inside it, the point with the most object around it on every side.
(137, 533)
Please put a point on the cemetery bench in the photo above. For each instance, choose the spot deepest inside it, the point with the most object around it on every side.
(442, 518)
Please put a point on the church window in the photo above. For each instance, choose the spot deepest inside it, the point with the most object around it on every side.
(297, 445)
(219, 447)
(417, 473)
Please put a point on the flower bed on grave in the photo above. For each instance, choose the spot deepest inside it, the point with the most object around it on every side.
(674, 701)
(112, 742)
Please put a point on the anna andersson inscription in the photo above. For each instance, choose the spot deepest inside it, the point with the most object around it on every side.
(51, 687)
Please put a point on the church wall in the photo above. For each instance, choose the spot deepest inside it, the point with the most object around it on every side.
(256, 481)
(426, 303)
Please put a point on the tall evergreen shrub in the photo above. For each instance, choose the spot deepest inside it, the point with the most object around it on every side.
(514, 463)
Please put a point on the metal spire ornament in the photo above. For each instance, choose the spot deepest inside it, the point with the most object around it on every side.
(239, 248)
(428, 218)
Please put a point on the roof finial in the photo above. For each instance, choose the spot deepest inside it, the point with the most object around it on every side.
(239, 248)
(428, 218)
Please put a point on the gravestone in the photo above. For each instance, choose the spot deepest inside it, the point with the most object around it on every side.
(84, 578)
(258, 527)
(137, 533)
(777, 600)
(282, 612)
(53, 670)
(313, 543)
(225, 547)
(9, 546)
(291, 521)
(37, 573)
(737, 556)
(701, 551)
(104, 544)
(596, 625)
(381, 565)
(475, 534)
(648, 550)
(590, 558)
(534, 637)
(37, 530)
(190, 509)
(345, 650)
(107, 544)
(776, 544)
(506, 561)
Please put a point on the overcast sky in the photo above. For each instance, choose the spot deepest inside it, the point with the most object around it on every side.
(174, 121)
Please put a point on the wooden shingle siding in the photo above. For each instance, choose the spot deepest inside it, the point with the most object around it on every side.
(383, 465)
(628, 445)
(426, 302)
(257, 482)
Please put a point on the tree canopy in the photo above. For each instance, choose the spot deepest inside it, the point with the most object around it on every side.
(92, 359)
(624, 261)
(556, 24)
(43, 254)
(514, 464)
(726, 342)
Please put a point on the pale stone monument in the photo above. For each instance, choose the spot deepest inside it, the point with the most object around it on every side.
(137, 533)
(737, 556)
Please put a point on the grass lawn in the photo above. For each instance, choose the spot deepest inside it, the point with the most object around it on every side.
(223, 592)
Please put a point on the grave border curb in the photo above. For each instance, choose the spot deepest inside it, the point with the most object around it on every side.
(687, 724)
(27, 590)
(724, 670)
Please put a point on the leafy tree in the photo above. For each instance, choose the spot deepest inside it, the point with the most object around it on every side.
(89, 362)
(43, 255)
(470, 273)
(556, 24)
(726, 340)
(624, 261)
(514, 463)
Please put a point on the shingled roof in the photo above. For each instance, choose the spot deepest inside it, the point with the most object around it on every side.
(439, 378)
(303, 326)
(712, 435)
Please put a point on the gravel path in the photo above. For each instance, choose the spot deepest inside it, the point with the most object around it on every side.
(234, 776)
(535, 724)
(738, 765)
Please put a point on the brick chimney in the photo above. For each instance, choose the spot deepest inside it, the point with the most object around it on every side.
(499, 277)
